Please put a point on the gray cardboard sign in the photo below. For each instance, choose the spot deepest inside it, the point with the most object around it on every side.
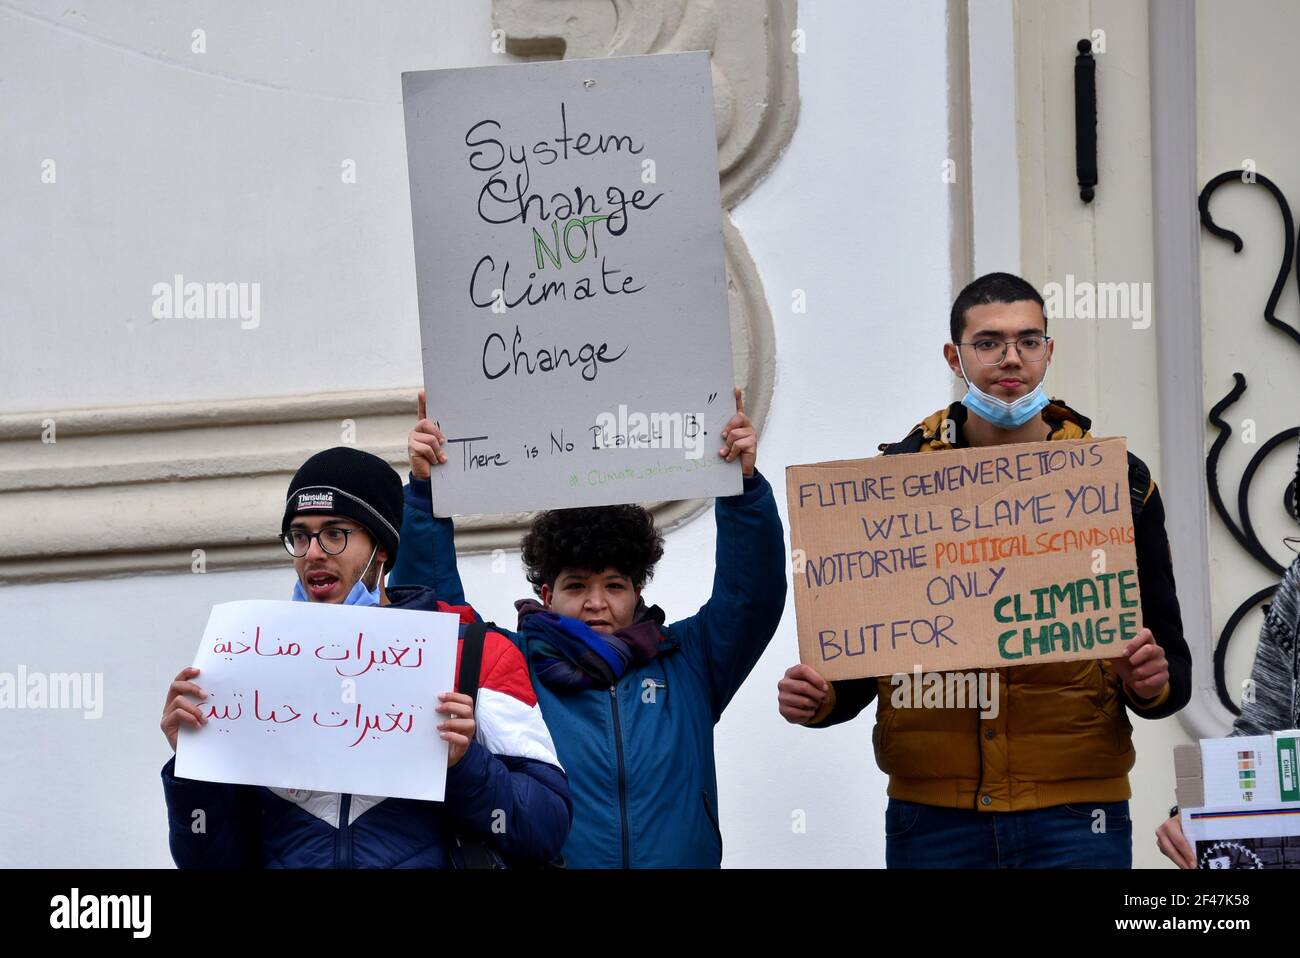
(572, 285)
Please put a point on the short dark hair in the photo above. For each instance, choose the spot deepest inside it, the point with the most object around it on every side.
(592, 538)
(991, 288)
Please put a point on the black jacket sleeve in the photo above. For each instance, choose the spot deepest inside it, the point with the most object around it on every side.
(1160, 612)
(848, 698)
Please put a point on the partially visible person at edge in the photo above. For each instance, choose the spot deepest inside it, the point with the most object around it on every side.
(632, 702)
(1044, 782)
(342, 525)
(1274, 702)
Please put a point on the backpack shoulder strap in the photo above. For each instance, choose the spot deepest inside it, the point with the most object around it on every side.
(471, 851)
(910, 443)
(471, 659)
(1139, 484)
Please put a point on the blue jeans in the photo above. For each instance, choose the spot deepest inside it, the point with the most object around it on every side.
(1085, 835)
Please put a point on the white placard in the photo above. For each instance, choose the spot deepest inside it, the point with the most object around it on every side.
(323, 697)
(572, 283)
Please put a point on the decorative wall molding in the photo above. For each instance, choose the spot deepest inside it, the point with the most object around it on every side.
(755, 76)
(133, 489)
(961, 201)
(177, 487)
(165, 488)
(1180, 367)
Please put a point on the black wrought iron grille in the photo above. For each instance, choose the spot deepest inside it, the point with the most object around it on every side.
(1244, 531)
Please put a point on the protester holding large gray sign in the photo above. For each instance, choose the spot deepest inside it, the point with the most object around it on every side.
(631, 702)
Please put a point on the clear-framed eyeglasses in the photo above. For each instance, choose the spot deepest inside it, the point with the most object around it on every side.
(993, 352)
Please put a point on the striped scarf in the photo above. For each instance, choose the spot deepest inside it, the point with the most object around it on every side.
(567, 655)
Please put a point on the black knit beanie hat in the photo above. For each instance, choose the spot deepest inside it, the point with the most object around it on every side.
(348, 482)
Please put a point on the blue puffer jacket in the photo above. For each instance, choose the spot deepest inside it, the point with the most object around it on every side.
(251, 826)
(639, 756)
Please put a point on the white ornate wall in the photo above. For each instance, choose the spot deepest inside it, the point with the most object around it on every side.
(175, 435)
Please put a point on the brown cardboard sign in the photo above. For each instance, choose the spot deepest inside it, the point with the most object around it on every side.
(969, 558)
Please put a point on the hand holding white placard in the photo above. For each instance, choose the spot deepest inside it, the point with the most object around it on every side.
(323, 697)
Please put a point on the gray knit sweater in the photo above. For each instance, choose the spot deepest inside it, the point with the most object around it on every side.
(1275, 672)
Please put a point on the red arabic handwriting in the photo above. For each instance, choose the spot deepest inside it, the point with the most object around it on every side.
(392, 655)
(365, 723)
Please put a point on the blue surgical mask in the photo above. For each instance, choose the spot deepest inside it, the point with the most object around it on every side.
(359, 595)
(999, 412)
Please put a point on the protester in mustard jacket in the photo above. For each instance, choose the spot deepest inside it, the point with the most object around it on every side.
(1040, 778)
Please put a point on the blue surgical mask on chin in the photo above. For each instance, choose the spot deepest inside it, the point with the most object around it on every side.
(999, 412)
(359, 595)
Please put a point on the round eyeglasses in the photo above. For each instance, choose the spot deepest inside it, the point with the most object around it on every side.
(332, 539)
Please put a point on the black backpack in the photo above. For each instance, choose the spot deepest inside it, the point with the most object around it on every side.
(469, 851)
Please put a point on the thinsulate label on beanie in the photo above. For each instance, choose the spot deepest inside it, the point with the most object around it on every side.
(315, 500)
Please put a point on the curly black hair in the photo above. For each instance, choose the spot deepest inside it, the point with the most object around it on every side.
(592, 538)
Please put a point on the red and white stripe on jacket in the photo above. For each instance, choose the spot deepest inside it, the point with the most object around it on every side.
(507, 718)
